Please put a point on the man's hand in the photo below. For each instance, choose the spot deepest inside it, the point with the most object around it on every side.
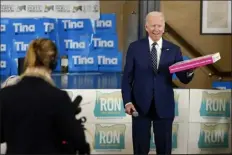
(129, 108)
(191, 70)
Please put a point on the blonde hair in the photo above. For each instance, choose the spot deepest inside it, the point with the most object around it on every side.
(40, 52)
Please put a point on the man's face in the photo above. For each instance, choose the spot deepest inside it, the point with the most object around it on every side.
(155, 27)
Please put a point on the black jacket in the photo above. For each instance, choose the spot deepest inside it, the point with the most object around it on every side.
(36, 117)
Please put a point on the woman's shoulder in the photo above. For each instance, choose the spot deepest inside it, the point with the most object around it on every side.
(12, 80)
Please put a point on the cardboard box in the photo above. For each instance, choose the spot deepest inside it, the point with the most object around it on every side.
(195, 63)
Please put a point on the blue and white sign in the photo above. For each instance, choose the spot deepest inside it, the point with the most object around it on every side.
(109, 61)
(222, 85)
(82, 62)
(106, 24)
(104, 42)
(82, 26)
(26, 26)
(6, 27)
(74, 42)
(5, 63)
(81, 39)
(50, 29)
(20, 45)
(5, 45)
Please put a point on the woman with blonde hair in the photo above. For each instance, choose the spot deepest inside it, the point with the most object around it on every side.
(35, 115)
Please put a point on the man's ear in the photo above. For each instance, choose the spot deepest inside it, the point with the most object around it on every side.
(145, 27)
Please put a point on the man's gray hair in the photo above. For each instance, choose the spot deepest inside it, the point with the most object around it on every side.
(155, 14)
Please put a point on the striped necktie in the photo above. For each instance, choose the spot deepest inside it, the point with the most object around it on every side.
(154, 57)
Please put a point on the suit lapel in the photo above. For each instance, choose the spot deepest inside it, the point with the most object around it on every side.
(164, 53)
(146, 48)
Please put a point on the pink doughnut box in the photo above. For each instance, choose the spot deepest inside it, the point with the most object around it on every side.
(195, 63)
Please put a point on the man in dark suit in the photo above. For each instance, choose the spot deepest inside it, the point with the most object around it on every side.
(147, 86)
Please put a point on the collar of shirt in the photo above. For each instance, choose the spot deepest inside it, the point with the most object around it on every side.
(159, 43)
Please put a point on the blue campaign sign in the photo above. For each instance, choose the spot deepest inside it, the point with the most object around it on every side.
(6, 27)
(73, 42)
(106, 24)
(49, 28)
(109, 61)
(5, 63)
(20, 45)
(14, 66)
(81, 61)
(26, 26)
(104, 42)
(222, 85)
(83, 26)
(5, 44)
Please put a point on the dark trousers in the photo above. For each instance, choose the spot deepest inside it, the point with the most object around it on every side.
(141, 132)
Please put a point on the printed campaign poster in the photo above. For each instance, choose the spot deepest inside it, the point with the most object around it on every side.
(209, 138)
(101, 105)
(181, 97)
(109, 138)
(52, 9)
(210, 105)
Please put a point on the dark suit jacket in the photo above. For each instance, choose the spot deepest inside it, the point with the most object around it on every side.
(36, 117)
(140, 84)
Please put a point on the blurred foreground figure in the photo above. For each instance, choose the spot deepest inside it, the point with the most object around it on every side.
(36, 117)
